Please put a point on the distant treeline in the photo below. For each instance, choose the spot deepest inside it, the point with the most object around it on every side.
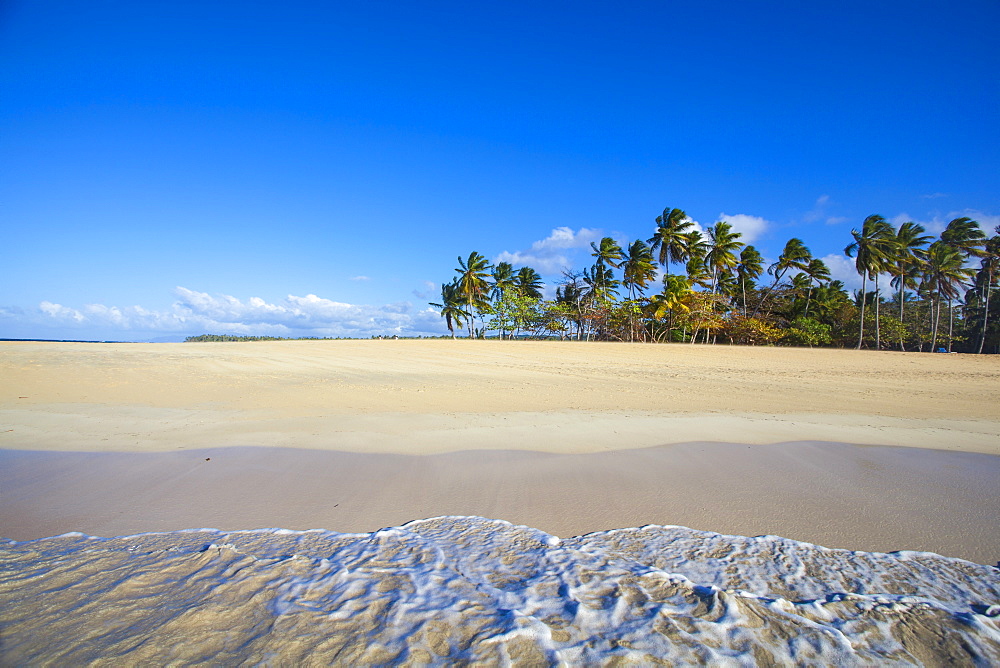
(212, 338)
(203, 338)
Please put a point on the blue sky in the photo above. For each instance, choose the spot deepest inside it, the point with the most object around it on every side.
(314, 168)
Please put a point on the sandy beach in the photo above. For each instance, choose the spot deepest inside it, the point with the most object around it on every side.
(477, 499)
(566, 437)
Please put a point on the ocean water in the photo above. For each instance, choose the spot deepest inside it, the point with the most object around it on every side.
(469, 589)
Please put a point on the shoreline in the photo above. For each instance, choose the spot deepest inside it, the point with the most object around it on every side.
(561, 437)
(856, 497)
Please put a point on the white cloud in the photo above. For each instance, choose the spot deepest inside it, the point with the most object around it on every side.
(199, 312)
(60, 312)
(751, 227)
(553, 253)
(545, 264)
(565, 237)
(842, 269)
(360, 278)
(934, 196)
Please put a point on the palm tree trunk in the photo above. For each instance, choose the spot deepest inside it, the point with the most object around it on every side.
(878, 341)
(937, 321)
(986, 314)
(766, 295)
(861, 329)
(743, 283)
(901, 294)
(951, 322)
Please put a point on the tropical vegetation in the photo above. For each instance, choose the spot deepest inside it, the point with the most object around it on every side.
(940, 294)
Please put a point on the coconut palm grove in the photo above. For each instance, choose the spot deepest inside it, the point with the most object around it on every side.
(919, 293)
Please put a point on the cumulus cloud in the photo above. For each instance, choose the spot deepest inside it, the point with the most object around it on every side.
(546, 264)
(842, 269)
(553, 253)
(565, 237)
(751, 227)
(196, 312)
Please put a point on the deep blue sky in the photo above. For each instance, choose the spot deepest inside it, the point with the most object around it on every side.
(171, 168)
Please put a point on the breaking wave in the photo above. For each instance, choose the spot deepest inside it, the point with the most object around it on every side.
(469, 589)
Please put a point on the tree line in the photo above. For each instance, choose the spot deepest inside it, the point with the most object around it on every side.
(941, 291)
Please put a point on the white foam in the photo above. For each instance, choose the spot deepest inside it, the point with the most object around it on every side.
(458, 589)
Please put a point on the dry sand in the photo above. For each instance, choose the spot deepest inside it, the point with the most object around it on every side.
(567, 438)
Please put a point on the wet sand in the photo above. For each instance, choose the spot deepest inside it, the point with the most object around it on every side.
(569, 438)
(871, 498)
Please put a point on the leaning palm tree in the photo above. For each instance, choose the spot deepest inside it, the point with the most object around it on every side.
(945, 273)
(988, 273)
(817, 272)
(608, 254)
(723, 244)
(638, 270)
(673, 299)
(965, 235)
(602, 288)
(905, 264)
(751, 266)
(451, 306)
(794, 256)
(529, 283)
(872, 250)
(670, 239)
(473, 285)
(503, 279)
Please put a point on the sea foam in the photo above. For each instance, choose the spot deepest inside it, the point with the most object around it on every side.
(469, 589)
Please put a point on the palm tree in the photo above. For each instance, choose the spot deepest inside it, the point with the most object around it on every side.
(871, 248)
(529, 283)
(817, 272)
(608, 253)
(794, 256)
(451, 306)
(987, 276)
(723, 244)
(473, 285)
(751, 266)
(905, 263)
(571, 295)
(638, 270)
(638, 267)
(669, 239)
(600, 280)
(945, 273)
(503, 279)
(827, 299)
(964, 235)
(673, 298)
(800, 285)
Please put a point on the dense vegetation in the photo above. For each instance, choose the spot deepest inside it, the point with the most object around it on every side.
(941, 291)
(214, 338)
